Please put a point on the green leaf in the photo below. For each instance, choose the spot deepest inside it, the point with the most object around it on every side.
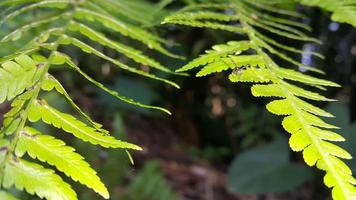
(42, 4)
(18, 75)
(232, 62)
(54, 151)
(285, 107)
(18, 33)
(219, 51)
(36, 180)
(132, 53)
(50, 83)
(40, 110)
(280, 107)
(263, 170)
(268, 90)
(123, 28)
(131, 9)
(109, 91)
(275, 90)
(251, 74)
(91, 50)
(303, 78)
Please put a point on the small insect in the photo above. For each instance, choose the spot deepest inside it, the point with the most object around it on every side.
(237, 69)
(39, 65)
(254, 16)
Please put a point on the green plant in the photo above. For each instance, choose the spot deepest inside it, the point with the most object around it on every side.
(255, 60)
(43, 29)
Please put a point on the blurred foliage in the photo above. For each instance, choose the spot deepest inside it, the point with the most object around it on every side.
(133, 89)
(266, 169)
(347, 128)
(149, 184)
(116, 169)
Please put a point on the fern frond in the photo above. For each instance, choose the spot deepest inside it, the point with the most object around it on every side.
(135, 10)
(18, 32)
(125, 29)
(36, 180)
(63, 58)
(132, 53)
(51, 83)
(343, 11)
(251, 61)
(91, 50)
(53, 151)
(40, 110)
(45, 3)
(49, 25)
(206, 19)
(218, 51)
(17, 76)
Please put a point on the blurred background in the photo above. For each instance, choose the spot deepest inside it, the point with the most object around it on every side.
(220, 143)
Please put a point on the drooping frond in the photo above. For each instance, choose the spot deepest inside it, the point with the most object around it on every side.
(343, 11)
(251, 61)
(40, 110)
(64, 59)
(50, 83)
(37, 29)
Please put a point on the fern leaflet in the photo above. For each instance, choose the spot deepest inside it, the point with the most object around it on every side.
(36, 180)
(55, 152)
